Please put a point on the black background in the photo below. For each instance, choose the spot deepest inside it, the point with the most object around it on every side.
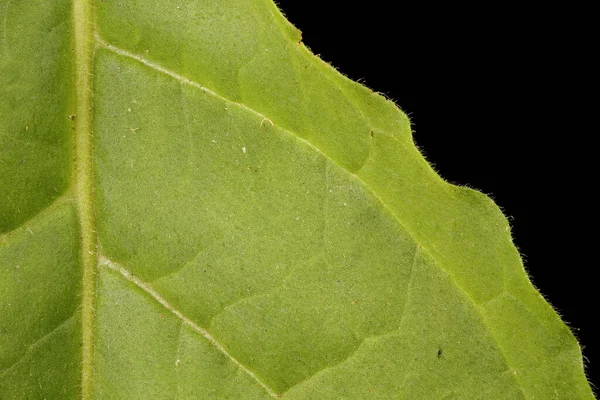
(484, 117)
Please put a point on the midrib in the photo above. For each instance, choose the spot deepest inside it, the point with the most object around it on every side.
(83, 45)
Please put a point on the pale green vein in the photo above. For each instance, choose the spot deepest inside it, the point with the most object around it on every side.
(183, 79)
(192, 260)
(83, 44)
(35, 219)
(285, 279)
(35, 344)
(371, 337)
(156, 296)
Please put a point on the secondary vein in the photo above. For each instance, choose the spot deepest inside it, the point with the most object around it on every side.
(185, 320)
(83, 56)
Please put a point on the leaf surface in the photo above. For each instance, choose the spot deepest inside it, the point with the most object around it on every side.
(192, 205)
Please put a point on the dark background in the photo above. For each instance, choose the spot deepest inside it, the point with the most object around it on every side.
(485, 114)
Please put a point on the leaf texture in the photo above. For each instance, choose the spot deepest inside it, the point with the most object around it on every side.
(194, 206)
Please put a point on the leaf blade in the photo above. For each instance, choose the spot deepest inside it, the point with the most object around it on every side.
(246, 180)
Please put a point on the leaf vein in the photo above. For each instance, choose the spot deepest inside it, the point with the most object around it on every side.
(34, 344)
(35, 219)
(370, 337)
(270, 291)
(156, 296)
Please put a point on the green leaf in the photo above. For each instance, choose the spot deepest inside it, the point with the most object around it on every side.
(194, 206)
